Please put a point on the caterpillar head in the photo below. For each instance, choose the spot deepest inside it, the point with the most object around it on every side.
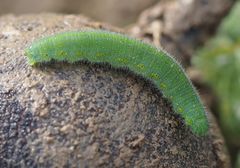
(35, 55)
(29, 55)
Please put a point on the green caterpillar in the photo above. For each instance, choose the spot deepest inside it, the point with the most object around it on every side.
(120, 51)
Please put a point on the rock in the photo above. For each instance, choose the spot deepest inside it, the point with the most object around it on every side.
(62, 115)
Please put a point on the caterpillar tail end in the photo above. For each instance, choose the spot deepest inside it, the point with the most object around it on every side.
(200, 128)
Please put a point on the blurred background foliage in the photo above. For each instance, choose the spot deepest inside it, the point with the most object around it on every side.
(219, 63)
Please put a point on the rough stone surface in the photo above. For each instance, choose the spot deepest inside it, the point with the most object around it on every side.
(179, 26)
(78, 115)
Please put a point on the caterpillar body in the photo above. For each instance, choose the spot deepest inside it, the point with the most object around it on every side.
(120, 51)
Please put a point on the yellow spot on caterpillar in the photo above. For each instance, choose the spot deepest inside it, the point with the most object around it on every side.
(163, 86)
(79, 53)
(46, 55)
(140, 66)
(189, 121)
(62, 53)
(154, 76)
(122, 60)
(99, 54)
(180, 109)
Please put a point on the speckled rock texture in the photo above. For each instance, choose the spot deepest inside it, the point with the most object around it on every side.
(62, 115)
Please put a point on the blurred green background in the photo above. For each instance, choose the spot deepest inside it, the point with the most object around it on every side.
(219, 63)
